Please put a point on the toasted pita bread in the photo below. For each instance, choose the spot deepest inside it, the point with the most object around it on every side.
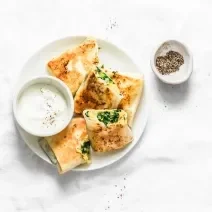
(73, 66)
(107, 129)
(70, 147)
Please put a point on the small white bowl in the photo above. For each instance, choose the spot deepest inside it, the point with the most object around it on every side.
(185, 70)
(59, 85)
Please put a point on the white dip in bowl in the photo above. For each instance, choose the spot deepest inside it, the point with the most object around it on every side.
(43, 106)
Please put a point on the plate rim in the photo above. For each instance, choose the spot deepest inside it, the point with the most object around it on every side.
(147, 93)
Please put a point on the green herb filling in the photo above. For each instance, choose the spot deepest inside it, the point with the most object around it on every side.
(87, 114)
(85, 147)
(108, 117)
(102, 75)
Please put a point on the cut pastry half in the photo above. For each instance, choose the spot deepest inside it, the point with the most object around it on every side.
(107, 129)
(98, 91)
(131, 88)
(69, 148)
(73, 65)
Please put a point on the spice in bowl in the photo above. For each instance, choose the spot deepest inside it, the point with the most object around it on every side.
(169, 63)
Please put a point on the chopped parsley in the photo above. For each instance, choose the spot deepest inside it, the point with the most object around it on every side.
(102, 66)
(102, 75)
(87, 114)
(108, 117)
(85, 147)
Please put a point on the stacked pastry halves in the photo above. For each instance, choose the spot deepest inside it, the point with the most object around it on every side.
(105, 103)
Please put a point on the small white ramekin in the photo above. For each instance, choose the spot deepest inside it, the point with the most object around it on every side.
(185, 70)
(62, 87)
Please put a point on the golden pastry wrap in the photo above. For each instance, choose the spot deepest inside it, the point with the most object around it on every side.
(97, 92)
(131, 87)
(107, 129)
(70, 147)
(73, 66)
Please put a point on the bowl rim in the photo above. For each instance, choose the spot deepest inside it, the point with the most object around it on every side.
(68, 97)
(160, 76)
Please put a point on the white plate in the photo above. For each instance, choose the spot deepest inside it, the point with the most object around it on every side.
(112, 57)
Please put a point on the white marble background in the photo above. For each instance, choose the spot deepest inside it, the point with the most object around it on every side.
(171, 168)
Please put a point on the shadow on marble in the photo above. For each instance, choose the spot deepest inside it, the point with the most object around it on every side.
(173, 94)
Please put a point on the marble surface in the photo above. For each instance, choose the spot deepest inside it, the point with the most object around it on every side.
(170, 169)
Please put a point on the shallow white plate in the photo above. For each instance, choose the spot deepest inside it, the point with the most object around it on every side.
(112, 57)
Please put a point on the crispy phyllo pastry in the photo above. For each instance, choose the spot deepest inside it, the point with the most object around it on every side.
(107, 129)
(73, 65)
(70, 147)
(98, 91)
(131, 87)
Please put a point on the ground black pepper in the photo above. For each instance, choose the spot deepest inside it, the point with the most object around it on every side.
(169, 63)
(112, 24)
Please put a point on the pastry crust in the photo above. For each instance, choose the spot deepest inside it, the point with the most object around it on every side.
(131, 87)
(66, 145)
(73, 66)
(106, 138)
(96, 93)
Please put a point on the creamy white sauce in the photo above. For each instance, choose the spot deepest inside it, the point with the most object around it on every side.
(42, 107)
